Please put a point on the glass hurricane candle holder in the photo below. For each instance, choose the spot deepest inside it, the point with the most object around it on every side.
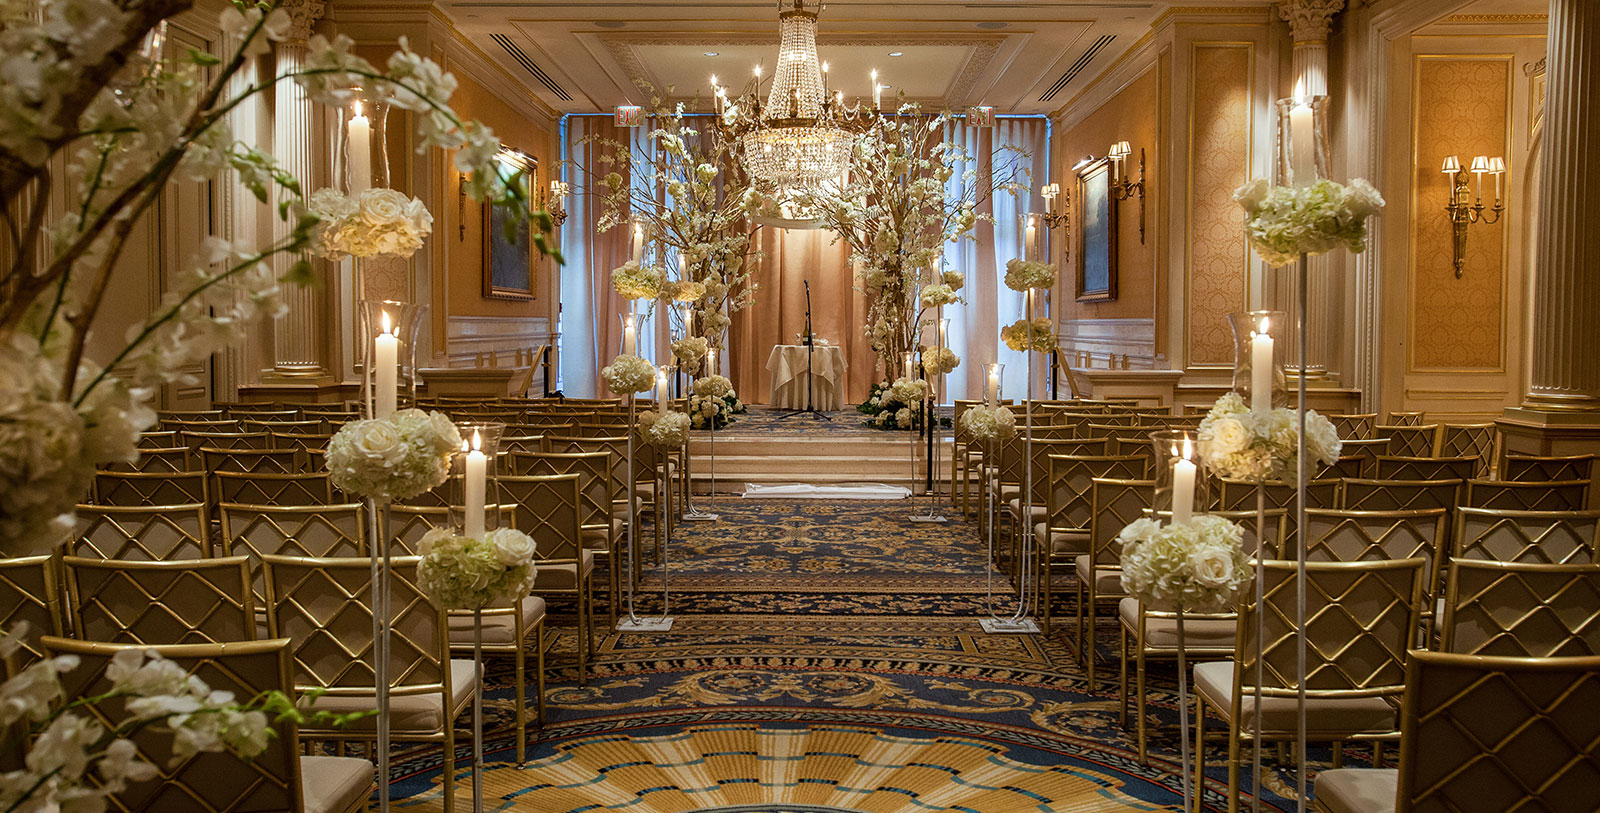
(1260, 345)
(1183, 487)
(386, 352)
(474, 492)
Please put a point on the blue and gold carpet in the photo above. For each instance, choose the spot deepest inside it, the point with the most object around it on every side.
(800, 696)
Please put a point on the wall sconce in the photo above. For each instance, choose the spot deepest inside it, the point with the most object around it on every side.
(1056, 206)
(1463, 214)
(556, 202)
(1121, 187)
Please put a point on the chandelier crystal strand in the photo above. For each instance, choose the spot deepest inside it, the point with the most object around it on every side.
(797, 143)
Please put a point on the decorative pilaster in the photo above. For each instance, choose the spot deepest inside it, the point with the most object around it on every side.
(1309, 21)
(1565, 375)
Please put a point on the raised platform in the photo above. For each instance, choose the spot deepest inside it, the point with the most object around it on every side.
(761, 448)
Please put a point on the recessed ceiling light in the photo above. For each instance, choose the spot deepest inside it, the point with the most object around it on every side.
(610, 23)
(992, 24)
(897, 53)
(712, 53)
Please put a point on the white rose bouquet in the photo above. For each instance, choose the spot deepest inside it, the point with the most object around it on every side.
(687, 290)
(953, 278)
(374, 222)
(1241, 444)
(1040, 335)
(987, 424)
(394, 458)
(471, 573)
(908, 390)
(626, 375)
(633, 281)
(1022, 275)
(1285, 222)
(940, 361)
(1198, 565)
(714, 386)
(669, 431)
(689, 350)
(939, 294)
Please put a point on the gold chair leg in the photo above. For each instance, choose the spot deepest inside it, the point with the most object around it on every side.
(521, 662)
(583, 631)
(539, 676)
(447, 780)
(1233, 765)
(1199, 752)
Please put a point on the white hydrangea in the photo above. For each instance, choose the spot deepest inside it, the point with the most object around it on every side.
(665, 431)
(629, 374)
(989, 424)
(634, 281)
(1198, 565)
(469, 573)
(1284, 222)
(713, 386)
(394, 458)
(1241, 444)
(1022, 275)
(1039, 335)
(373, 222)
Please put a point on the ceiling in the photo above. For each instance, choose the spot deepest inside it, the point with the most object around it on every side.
(1019, 57)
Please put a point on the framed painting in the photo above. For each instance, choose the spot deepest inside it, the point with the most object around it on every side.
(1096, 230)
(510, 263)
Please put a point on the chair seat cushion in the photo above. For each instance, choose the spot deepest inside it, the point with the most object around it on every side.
(1039, 512)
(1107, 580)
(596, 538)
(1326, 719)
(1062, 543)
(1161, 632)
(335, 784)
(1357, 790)
(409, 713)
(562, 575)
(499, 623)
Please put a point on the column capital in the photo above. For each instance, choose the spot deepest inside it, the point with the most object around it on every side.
(1309, 20)
(303, 17)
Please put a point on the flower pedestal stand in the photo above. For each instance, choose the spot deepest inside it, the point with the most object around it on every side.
(633, 623)
(930, 424)
(378, 515)
(477, 711)
(695, 514)
(1019, 623)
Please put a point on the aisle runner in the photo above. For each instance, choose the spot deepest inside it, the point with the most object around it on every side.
(832, 491)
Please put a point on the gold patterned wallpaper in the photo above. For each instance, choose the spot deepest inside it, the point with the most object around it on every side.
(1219, 162)
(1461, 109)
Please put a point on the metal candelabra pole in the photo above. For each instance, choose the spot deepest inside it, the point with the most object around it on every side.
(1019, 622)
(1300, 555)
(378, 537)
(694, 514)
(477, 711)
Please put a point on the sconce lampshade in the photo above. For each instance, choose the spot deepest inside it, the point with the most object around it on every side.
(1480, 165)
(1452, 165)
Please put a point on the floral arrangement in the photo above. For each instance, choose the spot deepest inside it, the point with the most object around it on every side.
(393, 458)
(1241, 444)
(689, 350)
(664, 431)
(1286, 221)
(939, 294)
(987, 424)
(626, 375)
(1022, 275)
(1039, 335)
(896, 406)
(471, 573)
(714, 411)
(373, 222)
(953, 279)
(685, 290)
(939, 361)
(1198, 565)
(634, 281)
(714, 386)
(72, 762)
(99, 111)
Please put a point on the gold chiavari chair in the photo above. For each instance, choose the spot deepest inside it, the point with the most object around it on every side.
(324, 607)
(622, 485)
(1521, 609)
(522, 443)
(1530, 723)
(226, 440)
(1526, 468)
(201, 601)
(1113, 504)
(315, 427)
(1368, 449)
(1362, 536)
(258, 461)
(1548, 537)
(1405, 419)
(151, 488)
(150, 533)
(326, 531)
(1238, 495)
(279, 778)
(1411, 440)
(548, 508)
(263, 413)
(1069, 509)
(1569, 495)
(273, 489)
(314, 461)
(303, 443)
(1355, 427)
(1347, 467)
(1391, 467)
(30, 590)
(1399, 495)
(167, 459)
(602, 532)
(159, 439)
(1146, 635)
(1475, 440)
(201, 425)
(1361, 619)
(191, 415)
(1043, 450)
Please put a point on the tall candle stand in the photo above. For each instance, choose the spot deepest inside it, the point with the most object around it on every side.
(695, 514)
(1019, 622)
(930, 416)
(475, 511)
(1180, 488)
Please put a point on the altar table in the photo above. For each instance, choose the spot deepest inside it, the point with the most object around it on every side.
(787, 364)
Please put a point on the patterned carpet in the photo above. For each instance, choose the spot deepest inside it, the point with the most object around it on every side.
(786, 692)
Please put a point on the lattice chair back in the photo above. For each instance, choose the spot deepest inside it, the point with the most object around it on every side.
(1525, 468)
(523, 441)
(1391, 467)
(1348, 466)
(149, 533)
(1411, 440)
(273, 489)
(207, 601)
(255, 461)
(1071, 482)
(1368, 449)
(226, 440)
(302, 443)
(1361, 618)
(1521, 609)
(1475, 440)
(151, 488)
(595, 493)
(164, 459)
(159, 439)
(547, 508)
(315, 461)
(1492, 733)
(1355, 427)
(1364, 536)
(1400, 495)
(1114, 503)
(1405, 419)
(408, 524)
(1545, 537)
(1561, 495)
(325, 607)
(290, 428)
(263, 413)
(327, 531)
(200, 425)
(616, 447)
(30, 590)
(205, 782)
(1043, 450)
(1238, 495)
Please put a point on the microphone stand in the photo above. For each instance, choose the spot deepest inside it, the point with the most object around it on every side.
(811, 381)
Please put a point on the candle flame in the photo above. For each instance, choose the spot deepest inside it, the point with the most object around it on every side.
(1300, 99)
(464, 447)
(387, 325)
(357, 112)
(713, 80)
(1188, 448)
(1264, 325)
(477, 441)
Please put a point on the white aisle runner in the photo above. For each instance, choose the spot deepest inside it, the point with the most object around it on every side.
(831, 491)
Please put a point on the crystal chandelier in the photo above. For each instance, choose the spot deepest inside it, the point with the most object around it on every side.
(799, 139)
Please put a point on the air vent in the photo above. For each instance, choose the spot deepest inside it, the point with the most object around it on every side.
(532, 67)
(1077, 67)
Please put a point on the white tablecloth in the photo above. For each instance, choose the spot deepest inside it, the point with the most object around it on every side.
(788, 367)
